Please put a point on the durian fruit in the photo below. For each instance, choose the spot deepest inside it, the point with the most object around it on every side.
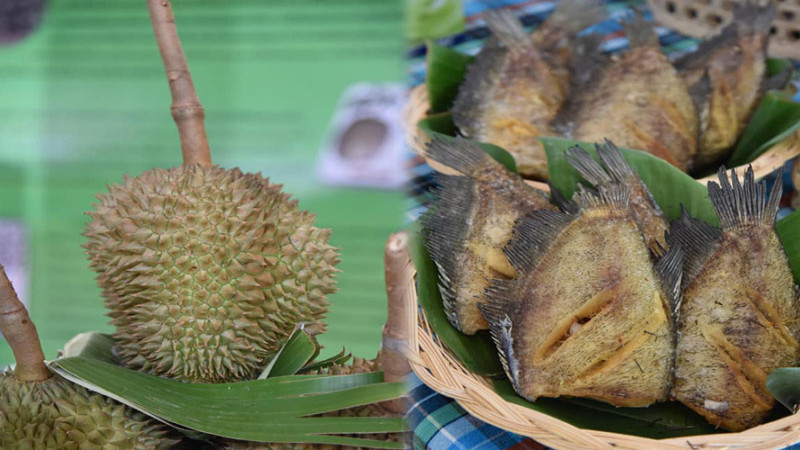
(358, 365)
(40, 410)
(206, 271)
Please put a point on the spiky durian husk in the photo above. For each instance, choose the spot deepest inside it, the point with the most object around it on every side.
(205, 270)
(358, 365)
(56, 414)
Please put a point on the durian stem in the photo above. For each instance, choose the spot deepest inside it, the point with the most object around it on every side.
(186, 108)
(20, 333)
(399, 273)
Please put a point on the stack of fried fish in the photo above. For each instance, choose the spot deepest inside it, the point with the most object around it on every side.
(600, 296)
(555, 82)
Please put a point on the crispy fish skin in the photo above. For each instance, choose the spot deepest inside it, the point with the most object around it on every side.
(740, 316)
(556, 36)
(468, 224)
(510, 95)
(735, 63)
(616, 170)
(608, 337)
(638, 101)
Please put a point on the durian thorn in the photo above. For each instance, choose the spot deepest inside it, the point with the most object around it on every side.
(399, 274)
(20, 333)
(187, 111)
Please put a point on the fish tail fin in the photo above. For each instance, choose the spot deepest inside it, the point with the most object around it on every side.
(461, 154)
(614, 162)
(670, 270)
(751, 18)
(576, 15)
(639, 32)
(507, 28)
(500, 327)
(445, 228)
(744, 203)
(695, 238)
(532, 235)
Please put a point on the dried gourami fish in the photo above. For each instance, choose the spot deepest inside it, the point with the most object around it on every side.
(646, 212)
(589, 315)
(740, 315)
(556, 37)
(469, 223)
(637, 100)
(510, 95)
(733, 64)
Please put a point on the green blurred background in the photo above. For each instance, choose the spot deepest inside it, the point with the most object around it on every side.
(84, 100)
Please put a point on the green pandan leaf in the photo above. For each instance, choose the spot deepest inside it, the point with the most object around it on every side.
(670, 187)
(446, 70)
(441, 126)
(277, 409)
(776, 117)
(300, 349)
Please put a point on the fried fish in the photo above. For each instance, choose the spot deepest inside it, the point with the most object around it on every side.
(646, 212)
(740, 315)
(733, 64)
(637, 100)
(589, 315)
(468, 224)
(510, 94)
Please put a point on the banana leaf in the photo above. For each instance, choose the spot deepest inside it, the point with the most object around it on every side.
(776, 117)
(788, 230)
(784, 385)
(278, 409)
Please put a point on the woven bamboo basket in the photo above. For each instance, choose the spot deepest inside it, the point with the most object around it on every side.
(418, 106)
(438, 368)
(700, 18)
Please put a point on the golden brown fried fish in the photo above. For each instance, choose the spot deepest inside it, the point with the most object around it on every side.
(589, 314)
(646, 212)
(733, 64)
(510, 95)
(556, 37)
(469, 223)
(637, 101)
(740, 315)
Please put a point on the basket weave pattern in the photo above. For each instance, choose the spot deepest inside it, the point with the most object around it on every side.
(438, 368)
(704, 17)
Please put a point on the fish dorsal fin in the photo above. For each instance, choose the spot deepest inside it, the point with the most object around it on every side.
(507, 28)
(532, 236)
(558, 199)
(576, 15)
(615, 196)
(445, 227)
(670, 271)
(639, 32)
(696, 239)
(500, 328)
(587, 167)
(470, 100)
(742, 204)
(460, 154)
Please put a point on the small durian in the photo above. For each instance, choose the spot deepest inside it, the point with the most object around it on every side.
(40, 410)
(205, 271)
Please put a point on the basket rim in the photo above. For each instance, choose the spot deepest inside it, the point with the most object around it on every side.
(440, 370)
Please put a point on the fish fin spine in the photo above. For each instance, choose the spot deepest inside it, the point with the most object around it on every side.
(696, 240)
(744, 203)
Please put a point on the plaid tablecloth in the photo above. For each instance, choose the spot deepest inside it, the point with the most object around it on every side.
(437, 421)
